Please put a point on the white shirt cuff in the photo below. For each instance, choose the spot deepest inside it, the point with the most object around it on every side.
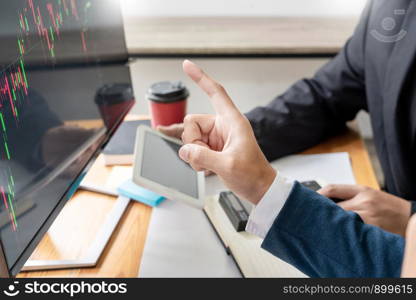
(266, 211)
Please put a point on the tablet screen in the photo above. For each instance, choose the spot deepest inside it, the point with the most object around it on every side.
(162, 164)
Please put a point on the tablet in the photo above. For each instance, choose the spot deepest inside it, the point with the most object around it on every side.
(158, 167)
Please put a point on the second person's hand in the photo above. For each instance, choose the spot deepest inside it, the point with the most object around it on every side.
(174, 130)
(224, 143)
(375, 207)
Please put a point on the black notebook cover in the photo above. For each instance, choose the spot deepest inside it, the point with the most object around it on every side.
(123, 141)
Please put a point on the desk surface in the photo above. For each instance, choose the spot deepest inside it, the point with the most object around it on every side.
(239, 36)
(85, 212)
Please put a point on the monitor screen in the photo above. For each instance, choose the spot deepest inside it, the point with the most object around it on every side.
(162, 164)
(64, 87)
(50, 32)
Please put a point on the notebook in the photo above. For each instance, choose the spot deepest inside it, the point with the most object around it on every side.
(120, 149)
(172, 251)
(245, 247)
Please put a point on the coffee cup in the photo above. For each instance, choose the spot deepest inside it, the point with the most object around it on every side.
(167, 102)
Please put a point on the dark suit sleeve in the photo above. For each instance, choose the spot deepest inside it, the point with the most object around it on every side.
(322, 240)
(317, 108)
(413, 207)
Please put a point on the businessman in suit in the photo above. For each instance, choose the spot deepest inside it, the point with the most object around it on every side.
(301, 227)
(373, 72)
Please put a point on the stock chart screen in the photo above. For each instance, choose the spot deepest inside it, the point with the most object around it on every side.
(64, 85)
(47, 32)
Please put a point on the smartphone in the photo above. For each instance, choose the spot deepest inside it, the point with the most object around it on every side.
(315, 186)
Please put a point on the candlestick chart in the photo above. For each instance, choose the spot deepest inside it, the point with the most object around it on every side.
(40, 24)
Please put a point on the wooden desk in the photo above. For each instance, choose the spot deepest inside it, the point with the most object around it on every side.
(236, 36)
(84, 213)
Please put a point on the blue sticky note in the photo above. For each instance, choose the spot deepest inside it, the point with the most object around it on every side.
(131, 190)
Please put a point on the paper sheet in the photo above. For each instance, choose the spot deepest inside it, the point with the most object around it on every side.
(331, 168)
(181, 243)
(324, 168)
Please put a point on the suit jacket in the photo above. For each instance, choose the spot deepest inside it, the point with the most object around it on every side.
(373, 72)
(321, 239)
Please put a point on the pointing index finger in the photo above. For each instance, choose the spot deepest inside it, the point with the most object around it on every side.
(220, 100)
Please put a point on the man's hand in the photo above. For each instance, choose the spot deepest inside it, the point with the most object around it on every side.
(375, 207)
(224, 143)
